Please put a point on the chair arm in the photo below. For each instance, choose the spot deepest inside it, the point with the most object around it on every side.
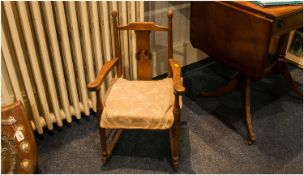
(176, 76)
(105, 69)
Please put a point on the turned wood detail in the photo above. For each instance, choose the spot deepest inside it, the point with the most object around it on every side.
(170, 39)
(116, 44)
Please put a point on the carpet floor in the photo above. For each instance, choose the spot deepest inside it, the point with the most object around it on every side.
(213, 133)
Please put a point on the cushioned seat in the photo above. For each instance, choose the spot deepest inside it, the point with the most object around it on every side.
(139, 105)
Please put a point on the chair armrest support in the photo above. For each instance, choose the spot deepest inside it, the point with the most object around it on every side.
(179, 89)
(105, 69)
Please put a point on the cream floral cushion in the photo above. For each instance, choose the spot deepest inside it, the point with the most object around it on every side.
(139, 104)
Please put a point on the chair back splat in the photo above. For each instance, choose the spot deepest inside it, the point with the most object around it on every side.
(143, 53)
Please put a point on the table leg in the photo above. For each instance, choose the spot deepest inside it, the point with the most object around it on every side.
(231, 85)
(286, 74)
(238, 81)
(281, 67)
(246, 89)
(282, 46)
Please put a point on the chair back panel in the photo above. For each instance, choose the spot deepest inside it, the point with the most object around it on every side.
(143, 55)
(143, 51)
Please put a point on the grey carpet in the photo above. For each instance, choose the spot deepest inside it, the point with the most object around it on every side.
(213, 134)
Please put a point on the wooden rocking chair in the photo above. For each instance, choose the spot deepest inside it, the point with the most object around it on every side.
(140, 104)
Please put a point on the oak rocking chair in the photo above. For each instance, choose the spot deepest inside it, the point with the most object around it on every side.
(144, 103)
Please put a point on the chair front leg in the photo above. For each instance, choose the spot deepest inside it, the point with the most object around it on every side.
(174, 134)
(102, 131)
(103, 140)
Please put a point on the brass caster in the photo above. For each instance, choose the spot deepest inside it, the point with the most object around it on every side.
(250, 142)
(104, 159)
(175, 164)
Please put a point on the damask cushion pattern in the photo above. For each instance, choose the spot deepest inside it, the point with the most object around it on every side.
(139, 104)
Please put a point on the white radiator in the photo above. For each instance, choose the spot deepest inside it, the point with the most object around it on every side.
(50, 51)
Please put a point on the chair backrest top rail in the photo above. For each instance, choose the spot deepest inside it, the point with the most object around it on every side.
(142, 26)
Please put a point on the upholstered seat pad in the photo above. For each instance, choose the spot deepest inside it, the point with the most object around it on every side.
(139, 104)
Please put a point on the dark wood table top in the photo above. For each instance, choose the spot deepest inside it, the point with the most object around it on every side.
(272, 12)
(239, 34)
